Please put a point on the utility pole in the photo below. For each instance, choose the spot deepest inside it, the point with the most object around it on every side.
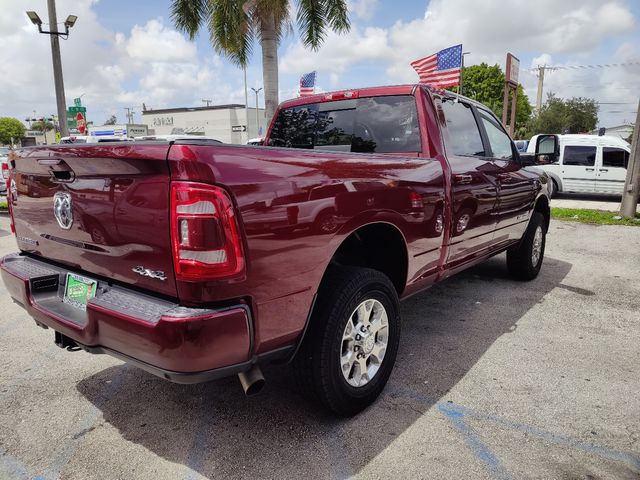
(130, 113)
(57, 69)
(207, 102)
(632, 184)
(541, 69)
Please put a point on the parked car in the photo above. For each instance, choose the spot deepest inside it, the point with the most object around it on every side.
(424, 184)
(582, 163)
(521, 145)
(4, 169)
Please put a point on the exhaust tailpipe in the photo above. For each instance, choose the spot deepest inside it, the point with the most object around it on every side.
(252, 381)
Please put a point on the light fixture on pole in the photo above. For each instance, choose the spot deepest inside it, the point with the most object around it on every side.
(257, 119)
(462, 71)
(55, 35)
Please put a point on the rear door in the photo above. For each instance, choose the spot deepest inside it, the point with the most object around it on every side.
(102, 210)
(474, 188)
(578, 168)
(612, 170)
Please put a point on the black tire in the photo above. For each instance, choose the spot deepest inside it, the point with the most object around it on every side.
(520, 261)
(317, 367)
(553, 188)
(326, 223)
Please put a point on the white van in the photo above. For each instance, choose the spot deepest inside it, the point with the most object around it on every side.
(582, 163)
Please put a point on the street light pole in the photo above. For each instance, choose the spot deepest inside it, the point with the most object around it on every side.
(462, 71)
(257, 118)
(57, 69)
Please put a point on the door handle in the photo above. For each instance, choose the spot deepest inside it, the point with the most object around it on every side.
(589, 169)
(604, 169)
(461, 179)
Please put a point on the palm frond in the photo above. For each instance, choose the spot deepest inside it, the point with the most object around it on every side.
(311, 18)
(337, 15)
(189, 15)
(231, 29)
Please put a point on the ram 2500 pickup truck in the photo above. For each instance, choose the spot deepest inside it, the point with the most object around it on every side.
(195, 260)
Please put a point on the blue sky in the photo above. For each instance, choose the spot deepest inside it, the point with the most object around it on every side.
(123, 53)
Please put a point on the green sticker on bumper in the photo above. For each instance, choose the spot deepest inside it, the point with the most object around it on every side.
(79, 290)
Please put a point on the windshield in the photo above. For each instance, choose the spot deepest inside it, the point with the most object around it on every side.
(4, 151)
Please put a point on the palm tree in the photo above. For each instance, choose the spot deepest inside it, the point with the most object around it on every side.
(234, 26)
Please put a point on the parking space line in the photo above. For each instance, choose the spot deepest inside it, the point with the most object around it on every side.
(452, 410)
(479, 449)
(12, 466)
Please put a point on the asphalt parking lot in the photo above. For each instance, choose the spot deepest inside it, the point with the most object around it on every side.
(494, 379)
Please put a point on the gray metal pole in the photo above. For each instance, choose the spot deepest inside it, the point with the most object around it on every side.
(257, 118)
(632, 184)
(57, 69)
(246, 102)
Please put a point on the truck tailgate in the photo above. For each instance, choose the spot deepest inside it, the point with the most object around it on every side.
(103, 210)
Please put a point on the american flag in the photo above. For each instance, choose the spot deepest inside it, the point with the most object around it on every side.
(307, 84)
(441, 69)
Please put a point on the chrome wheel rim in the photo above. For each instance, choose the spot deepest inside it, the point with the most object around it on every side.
(328, 224)
(536, 250)
(364, 343)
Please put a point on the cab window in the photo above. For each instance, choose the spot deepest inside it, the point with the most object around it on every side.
(463, 129)
(498, 139)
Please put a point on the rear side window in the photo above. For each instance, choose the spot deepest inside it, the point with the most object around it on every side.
(386, 125)
(463, 129)
(295, 127)
(579, 155)
(615, 157)
(367, 125)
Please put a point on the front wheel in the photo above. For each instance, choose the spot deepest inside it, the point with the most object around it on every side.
(525, 259)
(350, 348)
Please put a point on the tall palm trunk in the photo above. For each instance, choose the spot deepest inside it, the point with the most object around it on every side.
(269, 43)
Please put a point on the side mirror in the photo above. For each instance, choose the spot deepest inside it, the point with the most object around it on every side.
(547, 149)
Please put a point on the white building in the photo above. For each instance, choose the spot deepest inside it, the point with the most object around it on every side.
(622, 131)
(227, 123)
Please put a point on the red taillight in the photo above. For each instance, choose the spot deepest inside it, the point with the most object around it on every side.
(416, 200)
(204, 233)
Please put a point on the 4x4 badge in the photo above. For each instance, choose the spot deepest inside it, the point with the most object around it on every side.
(145, 272)
(62, 209)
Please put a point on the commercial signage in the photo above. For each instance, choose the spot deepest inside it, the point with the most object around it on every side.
(163, 121)
(512, 70)
(77, 119)
(238, 128)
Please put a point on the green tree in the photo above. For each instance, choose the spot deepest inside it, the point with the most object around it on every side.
(485, 84)
(577, 115)
(235, 25)
(11, 129)
(112, 120)
(42, 126)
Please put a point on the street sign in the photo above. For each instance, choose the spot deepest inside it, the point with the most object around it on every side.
(77, 119)
(77, 102)
(238, 128)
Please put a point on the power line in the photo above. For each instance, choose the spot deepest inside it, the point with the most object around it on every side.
(579, 67)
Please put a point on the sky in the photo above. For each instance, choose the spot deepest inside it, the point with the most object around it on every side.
(123, 53)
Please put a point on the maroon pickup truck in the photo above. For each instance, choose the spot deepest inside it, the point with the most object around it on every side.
(196, 260)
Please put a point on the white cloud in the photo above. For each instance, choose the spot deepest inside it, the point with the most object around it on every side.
(570, 29)
(152, 63)
(362, 8)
